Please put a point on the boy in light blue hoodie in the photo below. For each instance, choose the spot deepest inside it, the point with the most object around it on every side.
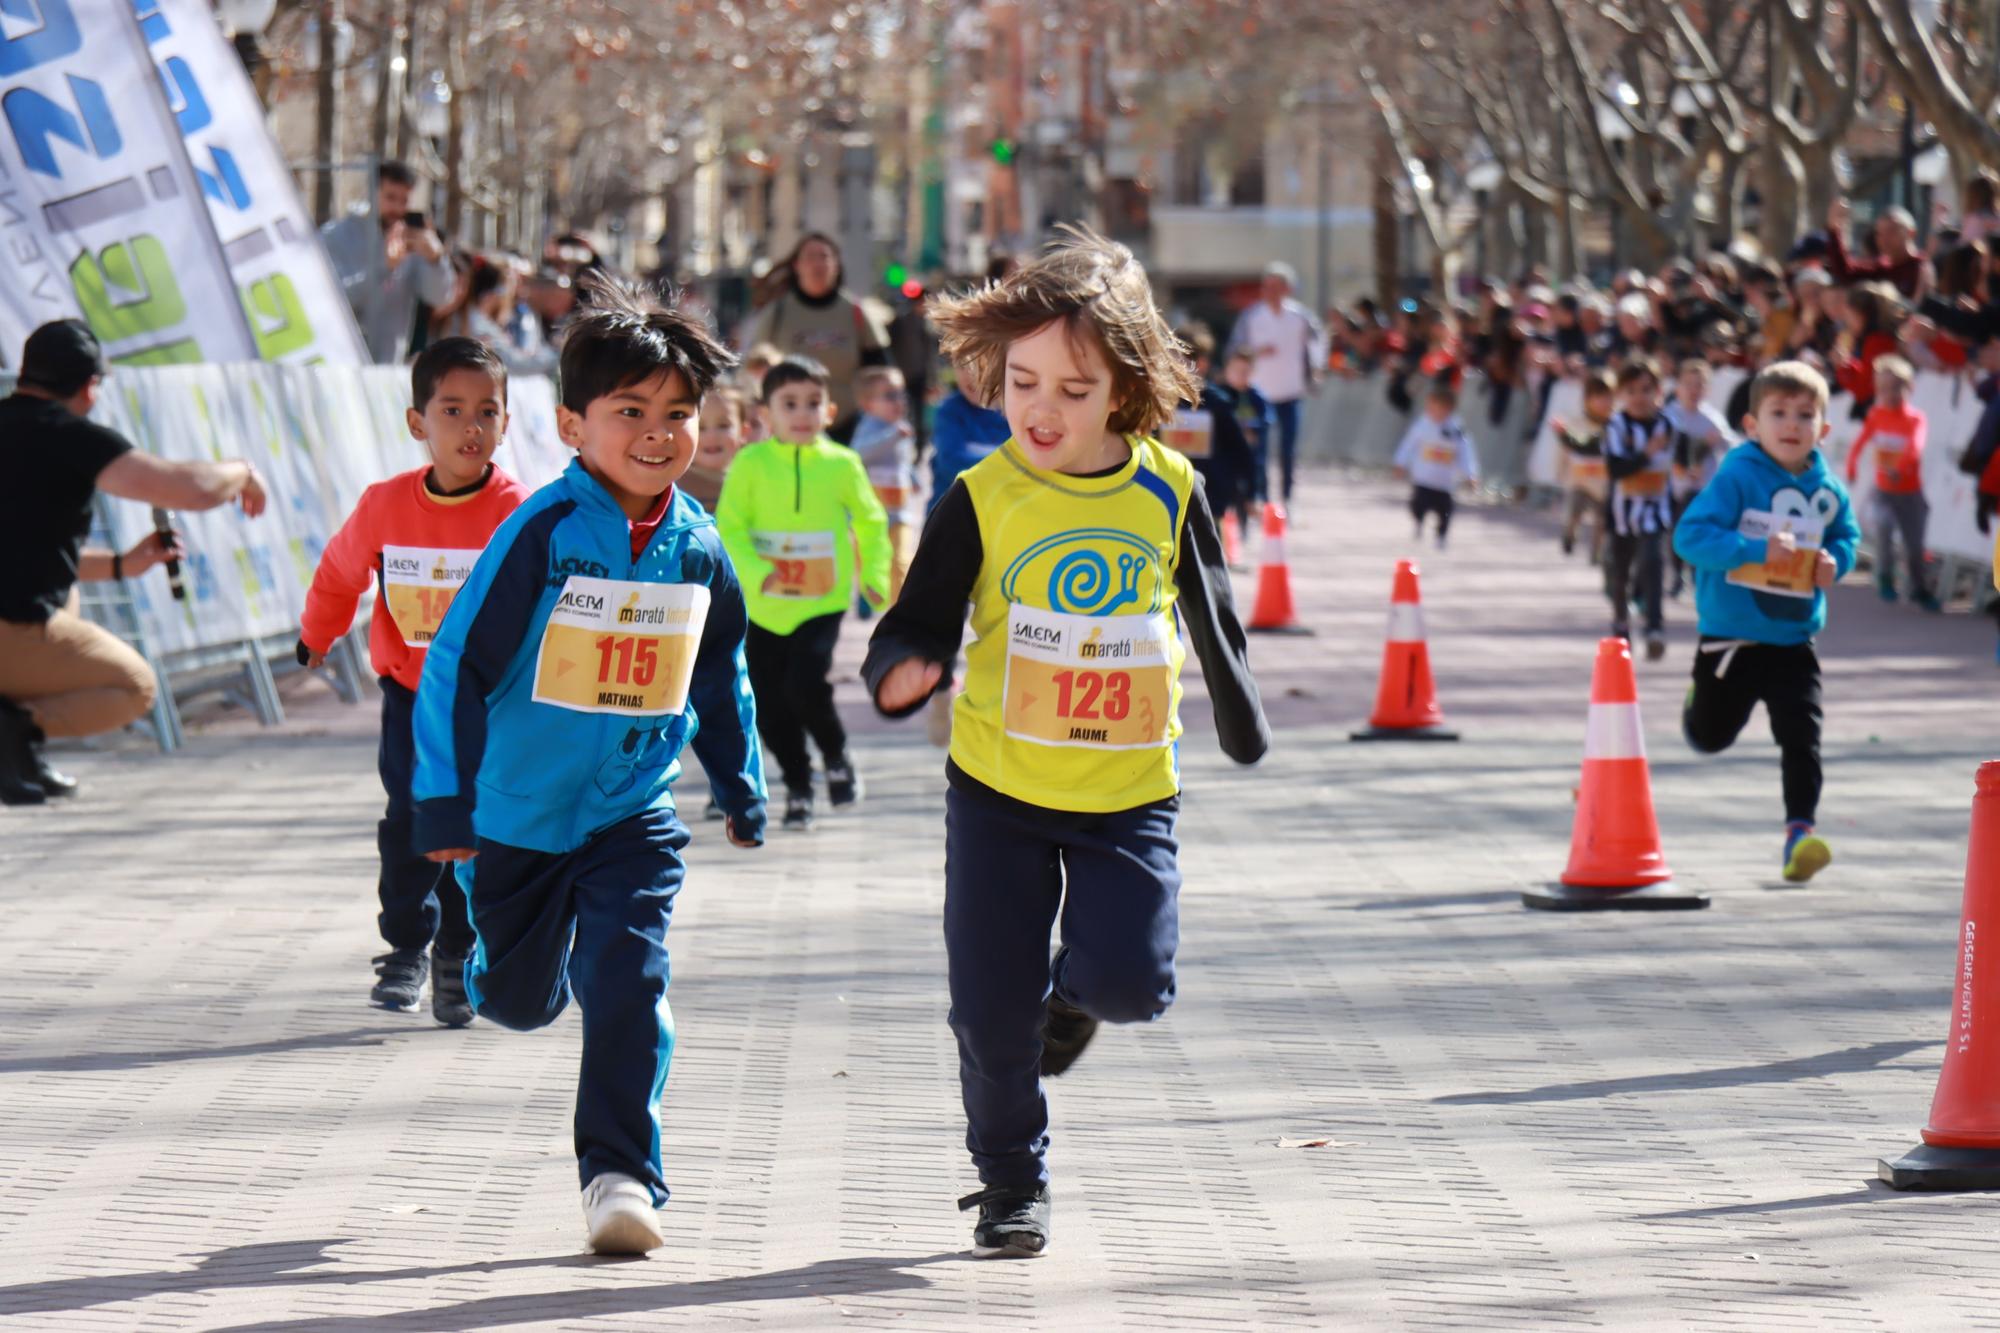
(1766, 537)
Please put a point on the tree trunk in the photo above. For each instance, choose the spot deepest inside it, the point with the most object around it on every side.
(1388, 231)
(1779, 187)
(1821, 184)
(404, 130)
(326, 112)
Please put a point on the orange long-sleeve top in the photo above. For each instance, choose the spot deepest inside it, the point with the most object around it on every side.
(416, 548)
(1897, 436)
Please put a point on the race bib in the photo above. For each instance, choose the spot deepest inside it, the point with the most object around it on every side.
(1588, 469)
(1643, 485)
(419, 582)
(801, 563)
(1892, 465)
(1440, 455)
(893, 498)
(1099, 682)
(1792, 577)
(1190, 433)
(617, 647)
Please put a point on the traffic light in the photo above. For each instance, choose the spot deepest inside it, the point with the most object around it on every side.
(914, 289)
(1003, 151)
(895, 275)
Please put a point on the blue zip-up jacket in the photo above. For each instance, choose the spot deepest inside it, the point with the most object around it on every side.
(962, 433)
(494, 763)
(1708, 537)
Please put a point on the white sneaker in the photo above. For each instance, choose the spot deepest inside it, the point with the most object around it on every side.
(620, 1214)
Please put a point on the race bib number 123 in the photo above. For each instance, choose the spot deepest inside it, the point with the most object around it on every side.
(617, 647)
(1102, 682)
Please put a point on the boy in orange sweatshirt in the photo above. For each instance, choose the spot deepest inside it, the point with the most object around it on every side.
(415, 536)
(1895, 430)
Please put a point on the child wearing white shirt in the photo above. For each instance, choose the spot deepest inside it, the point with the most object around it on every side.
(1435, 454)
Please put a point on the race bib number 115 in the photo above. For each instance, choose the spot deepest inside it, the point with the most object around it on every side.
(617, 647)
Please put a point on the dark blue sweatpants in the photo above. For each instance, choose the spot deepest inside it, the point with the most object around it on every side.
(419, 902)
(1010, 870)
(592, 921)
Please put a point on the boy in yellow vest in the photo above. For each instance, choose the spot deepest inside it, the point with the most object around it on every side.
(1083, 546)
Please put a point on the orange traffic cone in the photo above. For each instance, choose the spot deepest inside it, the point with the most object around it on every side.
(1232, 540)
(1614, 855)
(1961, 1147)
(1406, 706)
(1273, 613)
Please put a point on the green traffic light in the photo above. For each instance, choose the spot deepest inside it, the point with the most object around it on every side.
(1003, 151)
(895, 275)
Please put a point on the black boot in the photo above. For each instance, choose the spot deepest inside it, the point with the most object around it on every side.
(18, 733)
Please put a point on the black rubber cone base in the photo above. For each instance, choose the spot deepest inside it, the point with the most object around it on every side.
(1560, 897)
(1926, 1168)
(1276, 629)
(1403, 734)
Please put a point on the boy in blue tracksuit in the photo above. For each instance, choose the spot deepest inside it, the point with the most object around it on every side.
(1767, 537)
(600, 633)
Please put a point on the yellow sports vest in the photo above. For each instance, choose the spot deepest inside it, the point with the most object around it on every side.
(1072, 684)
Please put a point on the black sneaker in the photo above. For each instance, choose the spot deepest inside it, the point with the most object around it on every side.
(799, 811)
(1568, 543)
(843, 785)
(1013, 1223)
(449, 1004)
(399, 979)
(17, 753)
(1066, 1030)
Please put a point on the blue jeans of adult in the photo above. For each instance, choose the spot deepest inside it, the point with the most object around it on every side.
(1287, 414)
(1011, 870)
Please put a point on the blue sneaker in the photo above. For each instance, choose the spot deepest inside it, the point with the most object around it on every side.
(1806, 853)
(1886, 589)
(1924, 601)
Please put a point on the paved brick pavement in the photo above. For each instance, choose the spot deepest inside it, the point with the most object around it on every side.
(1532, 1121)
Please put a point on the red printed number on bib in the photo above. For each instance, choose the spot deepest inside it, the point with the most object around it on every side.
(419, 582)
(616, 647)
(801, 563)
(1102, 682)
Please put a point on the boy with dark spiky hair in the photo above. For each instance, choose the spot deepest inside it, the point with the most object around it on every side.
(600, 634)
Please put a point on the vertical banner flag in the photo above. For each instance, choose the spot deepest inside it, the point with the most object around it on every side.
(296, 309)
(100, 213)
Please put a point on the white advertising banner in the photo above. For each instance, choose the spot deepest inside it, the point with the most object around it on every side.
(293, 302)
(100, 211)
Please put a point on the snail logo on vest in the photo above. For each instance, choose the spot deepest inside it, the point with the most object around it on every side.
(1793, 503)
(1088, 572)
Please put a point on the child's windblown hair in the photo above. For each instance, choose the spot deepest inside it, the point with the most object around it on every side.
(1100, 293)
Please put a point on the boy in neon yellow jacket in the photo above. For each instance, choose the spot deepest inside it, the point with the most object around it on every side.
(792, 513)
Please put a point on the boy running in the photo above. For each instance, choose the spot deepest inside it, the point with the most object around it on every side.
(1701, 436)
(415, 537)
(600, 633)
(1767, 536)
(1435, 455)
(1894, 429)
(794, 508)
(1587, 483)
(1638, 453)
(1082, 546)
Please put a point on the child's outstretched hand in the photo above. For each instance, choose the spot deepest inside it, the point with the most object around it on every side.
(729, 827)
(908, 684)
(1824, 571)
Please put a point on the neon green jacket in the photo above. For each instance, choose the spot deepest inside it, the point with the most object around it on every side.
(791, 516)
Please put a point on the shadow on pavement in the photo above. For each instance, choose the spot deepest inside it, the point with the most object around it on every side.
(91, 1061)
(278, 1264)
(1875, 1192)
(1845, 1061)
